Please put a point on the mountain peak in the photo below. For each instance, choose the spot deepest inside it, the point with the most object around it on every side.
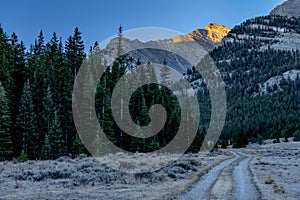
(290, 8)
(213, 33)
(216, 32)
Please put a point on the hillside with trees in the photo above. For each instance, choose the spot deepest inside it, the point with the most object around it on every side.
(36, 92)
(262, 103)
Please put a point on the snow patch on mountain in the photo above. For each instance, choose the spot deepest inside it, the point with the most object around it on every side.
(274, 82)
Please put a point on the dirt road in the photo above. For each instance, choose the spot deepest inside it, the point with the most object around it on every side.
(230, 179)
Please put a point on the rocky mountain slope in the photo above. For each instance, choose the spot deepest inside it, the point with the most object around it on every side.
(275, 32)
(216, 32)
(208, 38)
(290, 8)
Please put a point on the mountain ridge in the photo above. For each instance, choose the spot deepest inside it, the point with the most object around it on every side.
(208, 38)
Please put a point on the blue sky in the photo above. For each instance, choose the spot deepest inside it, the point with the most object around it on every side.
(99, 19)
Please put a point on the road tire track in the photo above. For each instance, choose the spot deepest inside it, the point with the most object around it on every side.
(231, 179)
(224, 186)
(201, 190)
(244, 188)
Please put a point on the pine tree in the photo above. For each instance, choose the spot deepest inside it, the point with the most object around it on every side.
(165, 74)
(19, 72)
(239, 140)
(120, 42)
(56, 138)
(153, 145)
(38, 80)
(108, 125)
(165, 81)
(78, 148)
(74, 58)
(23, 156)
(138, 143)
(5, 68)
(26, 124)
(6, 147)
(75, 51)
(48, 112)
(46, 153)
(101, 147)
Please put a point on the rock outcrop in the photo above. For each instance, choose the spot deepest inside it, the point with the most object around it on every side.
(216, 32)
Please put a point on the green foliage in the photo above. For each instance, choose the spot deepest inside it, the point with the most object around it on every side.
(260, 140)
(78, 148)
(56, 141)
(22, 157)
(138, 144)
(6, 147)
(37, 118)
(296, 136)
(153, 145)
(47, 68)
(252, 140)
(26, 124)
(197, 142)
(46, 153)
(239, 140)
(224, 144)
(244, 66)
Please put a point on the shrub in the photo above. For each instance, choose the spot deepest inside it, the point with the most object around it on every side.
(278, 189)
(297, 136)
(269, 181)
(286, 138)
(252, 140)
(260, 139)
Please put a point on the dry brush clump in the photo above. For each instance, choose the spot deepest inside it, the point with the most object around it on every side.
(269, 181)
(89, 171)
(278, 189)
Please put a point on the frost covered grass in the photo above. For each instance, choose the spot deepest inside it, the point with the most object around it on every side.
(91, 178)
(276, 170)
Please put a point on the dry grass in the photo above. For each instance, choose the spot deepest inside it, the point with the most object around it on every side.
(91, 178)
(269, 181)
(276, 170)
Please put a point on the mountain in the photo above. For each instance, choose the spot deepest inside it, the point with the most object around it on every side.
(275, 32)
(280, 30)
(216, 32)
(290, 8)
(259, 61)
(208, 38)
(260, 64)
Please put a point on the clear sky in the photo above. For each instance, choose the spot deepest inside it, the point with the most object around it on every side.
(99, 19)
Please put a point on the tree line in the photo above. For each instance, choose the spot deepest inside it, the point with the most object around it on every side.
(36, 100)
(36, 95)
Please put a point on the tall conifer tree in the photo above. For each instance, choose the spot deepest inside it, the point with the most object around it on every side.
(6, 147)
